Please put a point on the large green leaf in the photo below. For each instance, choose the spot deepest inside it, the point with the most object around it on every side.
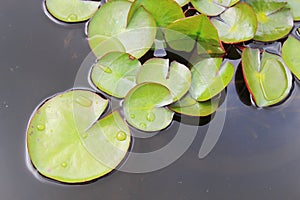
(210, 77)
(237, 24)
(115, 73)
(164, 11)
(184, 33)
(191, 107)
(176, 77)
(274, 19)
(212, 7)
(110, 23)
(268, 79)
(144, 107)
(72, 10)
(290, 54)
(58, 135)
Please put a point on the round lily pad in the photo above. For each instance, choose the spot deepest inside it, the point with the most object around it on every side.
(176, 77)
(236, 24)
(136, 35)
(268, 79)
(212, 7)
(275, 20)
(191, 107)
(290, 55)
(182, 35)
(115, 73)
(72, 10)
(163, 11)
(144, 107)
(210, 77)
(57, 135)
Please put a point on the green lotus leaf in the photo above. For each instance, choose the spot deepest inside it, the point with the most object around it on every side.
(115, 73)
(294, 5)
(182, 35)
(164, 11)
(176, 77)
(144, 107)
(268, 79)
(182, 2)
(212, 7)
(274, 19)
(191, 107)
(57, 132)
(236, 24)
(290, 55)
(210, 77)
(72, 10)
(136, 35)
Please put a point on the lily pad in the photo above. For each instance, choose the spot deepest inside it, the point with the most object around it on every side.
(144, 107)
(115, 73)
(164, 11)
(182, 35)
(191, 107)
(136, 35)
(290, 54)
(176, 77)
(210, 77)
(236, 24)
(72, 10)
(275, 20)
(57, 132)
(294, 5)
(268, 79)
(212, 7)
(182, 2)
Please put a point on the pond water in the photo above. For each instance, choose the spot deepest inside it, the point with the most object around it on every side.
(256, 156)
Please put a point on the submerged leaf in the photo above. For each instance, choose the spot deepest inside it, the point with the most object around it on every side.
(115, 73)
(72, 10)
(57, 134)
(268, 79)
(182, 35)
(290, 54)
(212, 7)
(163, 11)
(110, 23)
(210, 77)
(176, 77)
(274, 20)
(191, 107)
(237, 24)
(144, 107)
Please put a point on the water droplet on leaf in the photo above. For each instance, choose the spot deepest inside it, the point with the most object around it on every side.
(151, 117)
(143, 125)
(72, 17)
(40, 127)
(83, 101)
(64, 164)
(121, 136)
(132, 116)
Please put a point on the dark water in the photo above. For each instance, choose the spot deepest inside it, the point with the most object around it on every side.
(257, 156)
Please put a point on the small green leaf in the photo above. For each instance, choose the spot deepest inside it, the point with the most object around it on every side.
(72, 10)
(164, 11)
(182, 2)
(176, 77)
(210, 77)
(191, 107)
(290, 54)
(59, 129)
(212, 7)
(237, 24)
(115, 73)
(274, 20)
(182, 35)
(268, 79)
(136, 35)
(144, 107)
